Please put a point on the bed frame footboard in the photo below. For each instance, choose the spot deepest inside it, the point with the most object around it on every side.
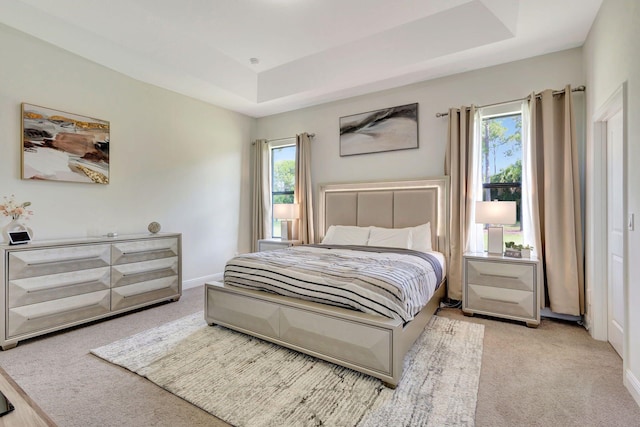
(366, 343)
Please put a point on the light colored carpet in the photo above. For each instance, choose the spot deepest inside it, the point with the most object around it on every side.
(249, 382)
(554, 375)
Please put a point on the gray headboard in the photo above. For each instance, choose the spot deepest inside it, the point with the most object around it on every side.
(395, 204)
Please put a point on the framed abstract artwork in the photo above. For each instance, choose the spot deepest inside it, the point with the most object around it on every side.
(389, 129)
(61, 146)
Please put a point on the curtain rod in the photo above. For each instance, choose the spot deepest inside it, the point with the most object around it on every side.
(581, 88)
(311, 135)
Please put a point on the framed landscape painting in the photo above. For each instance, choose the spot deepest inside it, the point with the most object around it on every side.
(389, 129)
(60, 146)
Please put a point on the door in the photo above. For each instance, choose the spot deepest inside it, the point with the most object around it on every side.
(615, 231)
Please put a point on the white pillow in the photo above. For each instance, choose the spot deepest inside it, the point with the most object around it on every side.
(390, 237)
(346, 235)
(421, 237)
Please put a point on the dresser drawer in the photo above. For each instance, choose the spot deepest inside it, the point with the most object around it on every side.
(33, 290)
(41, 262)
(143, 292)
(51, 314)
(144, 250)
(501, 275)
(127, 274)
(501, 301)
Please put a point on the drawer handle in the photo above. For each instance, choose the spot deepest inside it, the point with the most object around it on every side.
(146, 251)
(61, 261)
(498, 300)
(156, 270)
(124, 296)
(500, 276)
(66, 285)
(62, 312)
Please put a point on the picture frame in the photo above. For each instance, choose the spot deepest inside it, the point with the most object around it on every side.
(62, 146)
(387, 129)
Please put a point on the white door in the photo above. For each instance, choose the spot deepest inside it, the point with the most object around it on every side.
(615, 231)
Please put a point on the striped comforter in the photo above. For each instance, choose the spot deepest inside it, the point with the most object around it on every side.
(395, 283)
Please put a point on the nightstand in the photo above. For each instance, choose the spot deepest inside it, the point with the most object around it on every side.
(271, 244)
(495, 285)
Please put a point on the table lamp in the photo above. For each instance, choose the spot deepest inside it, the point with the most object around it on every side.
(495, 213)
(286, 212)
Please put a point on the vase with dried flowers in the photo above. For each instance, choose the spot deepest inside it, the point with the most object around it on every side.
(18, 213)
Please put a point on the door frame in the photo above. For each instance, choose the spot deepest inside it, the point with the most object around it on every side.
(597, 270)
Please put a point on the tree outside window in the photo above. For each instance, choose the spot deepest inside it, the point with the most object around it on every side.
(283, 179)
(502, 165)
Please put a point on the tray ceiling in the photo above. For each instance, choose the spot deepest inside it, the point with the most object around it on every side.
(308, 51)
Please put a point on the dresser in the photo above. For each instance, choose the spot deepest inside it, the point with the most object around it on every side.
(500, 286)
(51, 285)
(271, 244)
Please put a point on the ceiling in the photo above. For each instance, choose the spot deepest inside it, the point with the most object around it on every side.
(309, 51)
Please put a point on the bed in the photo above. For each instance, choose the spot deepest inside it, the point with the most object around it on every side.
(372, 342)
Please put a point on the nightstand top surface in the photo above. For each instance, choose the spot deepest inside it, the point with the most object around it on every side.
(498, 257)
(279, 240)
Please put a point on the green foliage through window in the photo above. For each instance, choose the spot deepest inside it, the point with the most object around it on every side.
(283, 179)
(501, 163)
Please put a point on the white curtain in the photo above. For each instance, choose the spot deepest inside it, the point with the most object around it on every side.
(530, 221)
(303, 193)
(463, 172)
(260, 194)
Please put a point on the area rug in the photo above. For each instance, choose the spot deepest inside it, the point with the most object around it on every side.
(249, 382)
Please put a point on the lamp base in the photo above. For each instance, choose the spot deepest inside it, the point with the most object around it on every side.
(285, 230)
(494, 240)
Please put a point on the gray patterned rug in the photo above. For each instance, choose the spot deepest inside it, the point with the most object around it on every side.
(249, 382)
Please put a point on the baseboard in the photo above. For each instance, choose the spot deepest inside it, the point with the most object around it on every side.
(194, 283)
(546, 312)
(633, 385)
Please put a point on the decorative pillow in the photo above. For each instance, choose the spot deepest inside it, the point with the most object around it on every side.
(390, 237)
(421, 237)
(346, 235)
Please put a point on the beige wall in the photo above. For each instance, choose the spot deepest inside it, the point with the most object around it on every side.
(610, 59)
(494, 84)
(173, 159)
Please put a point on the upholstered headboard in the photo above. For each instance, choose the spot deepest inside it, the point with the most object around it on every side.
(396, 204)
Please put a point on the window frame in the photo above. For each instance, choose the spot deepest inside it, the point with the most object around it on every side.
(287, 142)
(496, 112)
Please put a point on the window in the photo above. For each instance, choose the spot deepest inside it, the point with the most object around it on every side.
(283, 179)
(501, 163)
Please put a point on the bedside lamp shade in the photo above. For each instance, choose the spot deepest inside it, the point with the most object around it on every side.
(286, 212)
(495, 213)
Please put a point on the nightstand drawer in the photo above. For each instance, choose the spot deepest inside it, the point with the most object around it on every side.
(273, 244)
(501, 275)
(501, 301)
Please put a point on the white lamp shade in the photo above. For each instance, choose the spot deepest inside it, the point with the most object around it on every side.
(286, 210)
(495, 212)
